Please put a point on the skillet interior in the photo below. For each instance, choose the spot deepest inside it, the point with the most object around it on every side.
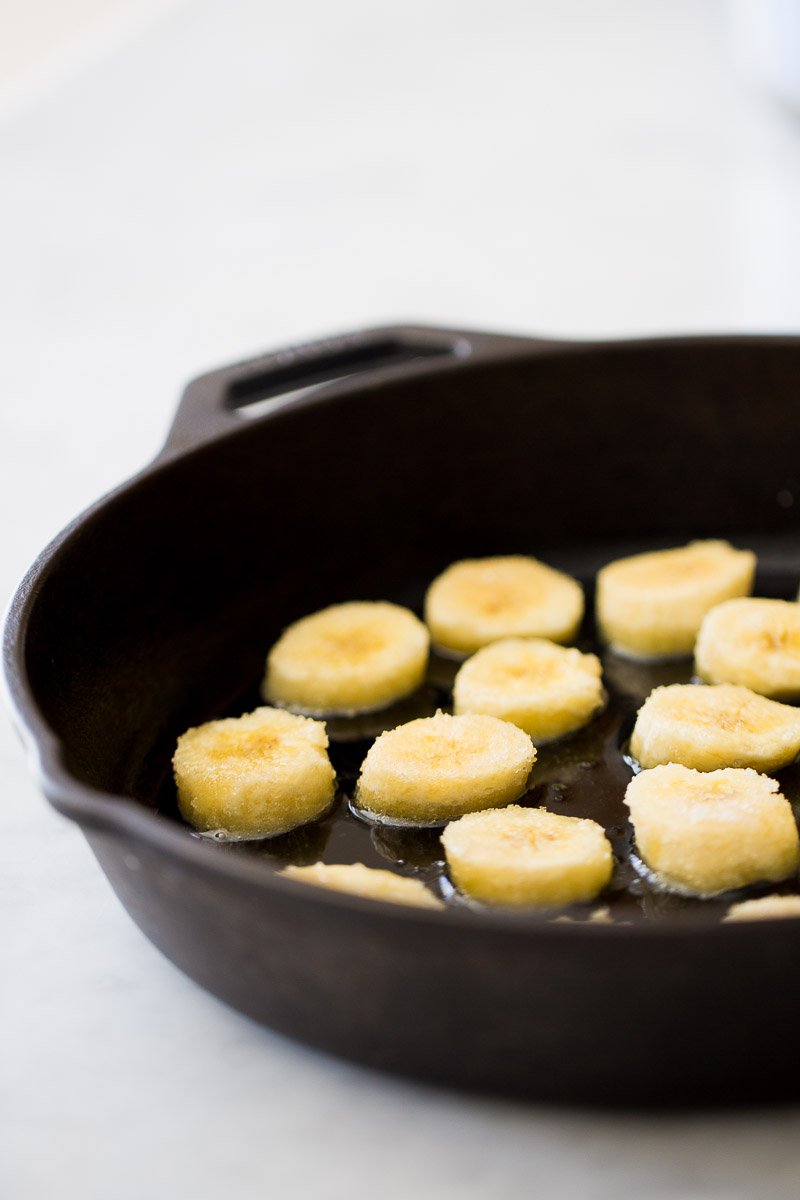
(156, 610)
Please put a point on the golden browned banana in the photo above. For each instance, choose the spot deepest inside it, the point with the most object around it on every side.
(527, 857)
(715, 726)
(439, 767)
(365, 881)
(349, 658)
(545, 689)
(254, 776)
(479, 600)
(652, 605)
(702, 833)
(752, 642)
(765, 908)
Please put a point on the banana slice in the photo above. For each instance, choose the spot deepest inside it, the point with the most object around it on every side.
(545, 689)
(752, 642)
(600, 916)
(704, 833)
(479, 600)
(717, 726)
(527, 857)
(349, 658)
(431, 770)
(764, 908)
(254, 776)
(651, 605)
(366, 881)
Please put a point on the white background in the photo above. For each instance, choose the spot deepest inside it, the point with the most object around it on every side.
(183, 184)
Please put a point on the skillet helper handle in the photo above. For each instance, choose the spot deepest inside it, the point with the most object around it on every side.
(212, 404)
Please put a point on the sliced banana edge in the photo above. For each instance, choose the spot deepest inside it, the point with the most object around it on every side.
(436, 768)
(365, 881)
(479, 600)
(711, 726)
(254, 776)
(545, 689)
(651, 606)
(764, 908)
(752, 642)
(527, 857)
(600, 916)
(703, 833)
(350, 658)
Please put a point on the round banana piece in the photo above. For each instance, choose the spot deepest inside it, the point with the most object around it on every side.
(545, 689)
(702, 833)
(254, 776)
(350, 658)
(764, 908)
(527, 857)
(707, 727)
(752, 642)
(436, 768)
(365, 881)
(651, 605)
(479, 600)
(600, 916)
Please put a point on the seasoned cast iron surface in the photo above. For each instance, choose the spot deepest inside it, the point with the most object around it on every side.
(582, 775)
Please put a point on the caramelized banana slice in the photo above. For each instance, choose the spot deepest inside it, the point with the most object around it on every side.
(752, 642)
(545, 689)
(711, 727)
(705, 833)
(433, 769)
(366, 881)
(652, 605)
(346, 659)
(527, 857)
(479, 600)
(764, 908)
(254, 776)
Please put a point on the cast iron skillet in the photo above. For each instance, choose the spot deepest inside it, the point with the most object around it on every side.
(154, 610)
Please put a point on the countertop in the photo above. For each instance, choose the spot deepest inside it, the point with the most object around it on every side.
(229, 177)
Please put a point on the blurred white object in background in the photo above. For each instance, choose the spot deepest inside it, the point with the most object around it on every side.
(766, 35)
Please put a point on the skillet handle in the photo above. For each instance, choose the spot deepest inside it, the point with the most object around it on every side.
(214, 404)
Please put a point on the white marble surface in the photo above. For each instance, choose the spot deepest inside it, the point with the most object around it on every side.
(231, 177)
